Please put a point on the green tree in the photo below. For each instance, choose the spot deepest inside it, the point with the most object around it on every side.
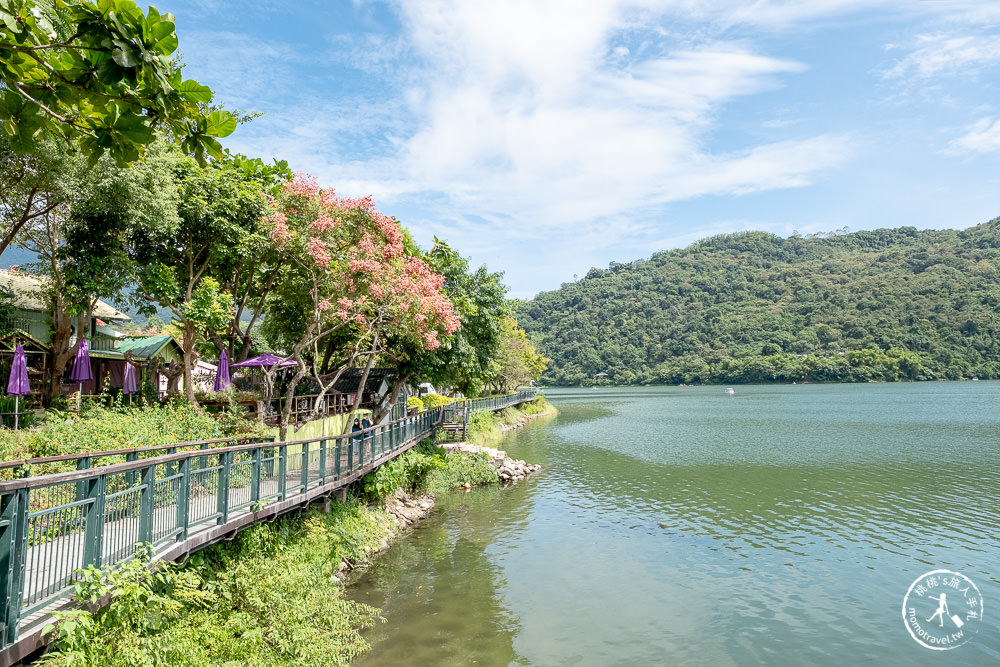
(470, 357)
(520, 363)
(172, 263)
(100, 74)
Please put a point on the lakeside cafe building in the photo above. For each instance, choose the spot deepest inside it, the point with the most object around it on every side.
(29, 323)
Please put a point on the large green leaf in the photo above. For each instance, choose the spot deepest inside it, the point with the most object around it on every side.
(195, 92)
(220, 124)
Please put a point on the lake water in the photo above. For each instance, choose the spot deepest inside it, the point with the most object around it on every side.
(782, 525)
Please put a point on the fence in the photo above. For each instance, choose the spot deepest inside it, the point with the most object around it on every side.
(177, 498)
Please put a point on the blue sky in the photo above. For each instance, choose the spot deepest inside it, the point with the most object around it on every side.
(544, 137)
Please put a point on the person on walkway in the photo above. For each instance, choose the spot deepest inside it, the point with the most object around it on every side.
(366, 423)
(356, 434)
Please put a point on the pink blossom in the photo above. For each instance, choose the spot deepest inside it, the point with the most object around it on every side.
(316, 249)
(279, 233)
(322, 224)
(303, 185)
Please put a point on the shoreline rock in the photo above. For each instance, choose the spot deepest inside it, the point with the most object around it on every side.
(406, 511)
(508, 470)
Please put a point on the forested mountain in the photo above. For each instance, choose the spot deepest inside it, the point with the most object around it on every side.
(888, 304)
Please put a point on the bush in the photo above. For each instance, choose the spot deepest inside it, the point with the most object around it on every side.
(408, 471)
(7, 406)
(432, 401)
(267, 598)
(414, 404)
(536, 406)
(100, 429)
(483, 428)
(461, 468)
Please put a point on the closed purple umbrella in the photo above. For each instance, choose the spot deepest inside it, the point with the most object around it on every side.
(82, 371)
(17, 384)
(129, 385)
(222, 374)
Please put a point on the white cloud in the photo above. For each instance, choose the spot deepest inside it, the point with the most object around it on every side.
(946, 54)
(533, 110)
(983, 136)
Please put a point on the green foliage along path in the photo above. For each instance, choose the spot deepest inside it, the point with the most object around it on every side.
(888, 304)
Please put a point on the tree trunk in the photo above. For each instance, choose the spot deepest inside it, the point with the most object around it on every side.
(62, 332)
(388, 400)
(362, 383)
(187, 344)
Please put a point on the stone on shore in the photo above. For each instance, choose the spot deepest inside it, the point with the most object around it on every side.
(508, 470)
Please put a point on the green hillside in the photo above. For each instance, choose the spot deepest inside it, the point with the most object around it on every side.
(889, 304)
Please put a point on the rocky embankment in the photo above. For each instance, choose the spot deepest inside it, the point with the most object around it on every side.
(508, 469)
(404, 510)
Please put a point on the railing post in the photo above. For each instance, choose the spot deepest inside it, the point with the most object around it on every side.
(93, 540)
(255, 474)
(82, 463)
(336, 462)
(282, 471)
(305, 466)
(130, 475)
(146, 506)
(13, 552)
(350, 455)
(222, 492)
(322, 461)
(184, 498)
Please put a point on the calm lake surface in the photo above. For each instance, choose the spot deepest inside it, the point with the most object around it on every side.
(782, 525)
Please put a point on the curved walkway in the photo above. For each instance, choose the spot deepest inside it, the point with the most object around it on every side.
(53, 525)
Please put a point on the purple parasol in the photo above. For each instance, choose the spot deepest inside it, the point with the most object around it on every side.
(17, 385)
(82, 372)
(264, 361)
(222, 374)
(128, 382)
(129, 385)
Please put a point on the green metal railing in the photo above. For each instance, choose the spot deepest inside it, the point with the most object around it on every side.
(177, 498)
(495, 403)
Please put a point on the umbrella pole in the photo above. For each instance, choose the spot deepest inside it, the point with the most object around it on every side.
(79, 398)
(17, 412)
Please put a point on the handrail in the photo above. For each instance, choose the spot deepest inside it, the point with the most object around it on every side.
(473, 403)
(118, 452)
(55, 524)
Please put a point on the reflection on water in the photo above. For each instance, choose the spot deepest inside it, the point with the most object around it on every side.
(782, 525)
(441, 580)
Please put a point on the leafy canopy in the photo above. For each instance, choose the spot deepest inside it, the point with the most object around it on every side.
(101, 74)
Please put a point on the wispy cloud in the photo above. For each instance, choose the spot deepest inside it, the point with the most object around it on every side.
(534, 111)
(946, 54)
(983, 136)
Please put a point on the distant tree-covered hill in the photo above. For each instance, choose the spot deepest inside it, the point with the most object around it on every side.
(888, 304)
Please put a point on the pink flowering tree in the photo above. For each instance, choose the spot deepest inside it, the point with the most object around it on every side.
(357, 284)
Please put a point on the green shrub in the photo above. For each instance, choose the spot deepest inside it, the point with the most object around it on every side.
(414, 404)
(432, 401)
(408, 471)
(461, 468)
(509, 416)
(100, 429)
(267, 598)
(7, 408)
(536, 406)
(484, 428)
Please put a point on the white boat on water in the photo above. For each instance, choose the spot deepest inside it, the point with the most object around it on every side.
(730, 390)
